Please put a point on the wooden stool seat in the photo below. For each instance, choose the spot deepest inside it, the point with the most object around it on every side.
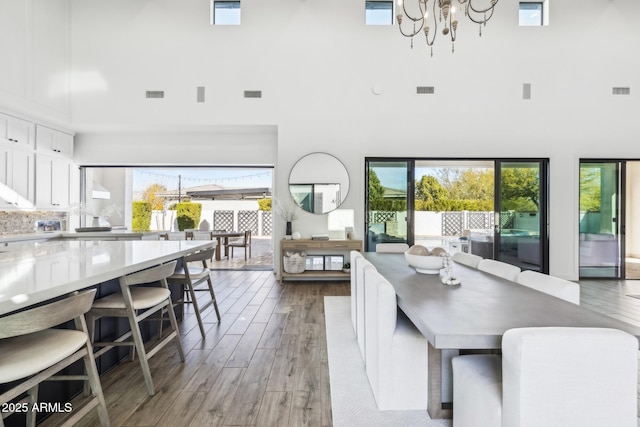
(141, 298)
(23, 356)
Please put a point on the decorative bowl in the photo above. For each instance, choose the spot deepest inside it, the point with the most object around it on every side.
(425, 264)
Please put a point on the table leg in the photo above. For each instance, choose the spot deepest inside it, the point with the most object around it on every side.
(218, 249)
(435, 407)
(226, 247)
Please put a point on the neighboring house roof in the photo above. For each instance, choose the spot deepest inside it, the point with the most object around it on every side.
(392, 193)
(217, 192)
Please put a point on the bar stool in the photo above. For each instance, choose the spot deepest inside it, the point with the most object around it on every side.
(31, 350)
(190, 276)
(138, 303)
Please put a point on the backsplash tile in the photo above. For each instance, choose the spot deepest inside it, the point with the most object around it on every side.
(16, 222)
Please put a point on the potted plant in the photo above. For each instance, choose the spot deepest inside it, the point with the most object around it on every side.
(346, 268)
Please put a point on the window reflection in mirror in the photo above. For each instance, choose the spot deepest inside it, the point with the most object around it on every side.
(318, 183)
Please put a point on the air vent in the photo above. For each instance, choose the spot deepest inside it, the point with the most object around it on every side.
(253, 94)
(526, 90)
(621, 91)
(200, 94)
(155, 94)
(425, 90)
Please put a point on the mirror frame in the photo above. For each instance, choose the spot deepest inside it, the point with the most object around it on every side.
(315, 169)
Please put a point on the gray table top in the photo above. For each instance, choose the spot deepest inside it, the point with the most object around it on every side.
(475, 314)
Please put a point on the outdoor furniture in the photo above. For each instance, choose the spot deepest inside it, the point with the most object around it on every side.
(552, 377)
(560, 288)
(189, 276)
(244, 242)
(33, 351)
(137, 303)
(222, 238)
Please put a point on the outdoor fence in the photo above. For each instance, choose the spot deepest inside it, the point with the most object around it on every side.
(259, 222)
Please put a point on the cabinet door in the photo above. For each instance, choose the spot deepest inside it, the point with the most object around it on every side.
(61, 180)
(6, 176)
(51, 141)
(20, 132)
(52, 182)
(23, 175)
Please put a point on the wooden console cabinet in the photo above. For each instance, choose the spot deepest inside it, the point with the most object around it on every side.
(318, 247)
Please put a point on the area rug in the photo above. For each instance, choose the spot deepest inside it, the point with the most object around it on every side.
(352, 401)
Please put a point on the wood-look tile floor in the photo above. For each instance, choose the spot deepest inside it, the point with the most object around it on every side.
(265, 363)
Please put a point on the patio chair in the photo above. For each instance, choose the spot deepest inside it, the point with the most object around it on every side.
(244, 242)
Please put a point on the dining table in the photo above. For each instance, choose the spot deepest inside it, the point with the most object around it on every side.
(473, 315)
(221, 236)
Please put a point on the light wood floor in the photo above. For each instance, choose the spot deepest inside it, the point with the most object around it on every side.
(265, 364)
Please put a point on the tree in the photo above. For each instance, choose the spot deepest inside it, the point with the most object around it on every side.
(150, 195)
(265, 204)
(520, 188)
(432, 194)
(590, 196)
(376, 191)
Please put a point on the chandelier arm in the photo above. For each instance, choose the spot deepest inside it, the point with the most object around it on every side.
(421, 18)
(480, 21)
(410, 33)
(481, 11)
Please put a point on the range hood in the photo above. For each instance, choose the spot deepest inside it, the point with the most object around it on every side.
(99, 192)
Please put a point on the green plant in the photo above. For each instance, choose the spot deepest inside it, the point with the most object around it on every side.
(347, 266)
(188, 215)
(264, 204)
(141, 216)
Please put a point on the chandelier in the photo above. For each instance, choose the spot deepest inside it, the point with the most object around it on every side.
(430, 13)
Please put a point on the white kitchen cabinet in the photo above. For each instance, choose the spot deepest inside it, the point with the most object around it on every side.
(52, 141)
(16, 131)
(17, 178)
(54, 179)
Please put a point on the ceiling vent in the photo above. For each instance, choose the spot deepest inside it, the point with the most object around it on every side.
(621, 91)
(425, 90)
(155, 94)
(253, 94)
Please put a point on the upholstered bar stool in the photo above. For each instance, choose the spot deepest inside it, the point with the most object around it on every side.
(31, 350)
(190, 276)
(137, 303)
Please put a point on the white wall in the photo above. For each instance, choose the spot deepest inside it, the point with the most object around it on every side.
(316, 63)
(35, 59)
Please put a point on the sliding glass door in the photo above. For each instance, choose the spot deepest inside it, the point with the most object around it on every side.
(388, 204)
(521, 214)
(602, 218)
(493, 208)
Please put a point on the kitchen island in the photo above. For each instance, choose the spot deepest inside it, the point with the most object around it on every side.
(37, 272)
(32, 273)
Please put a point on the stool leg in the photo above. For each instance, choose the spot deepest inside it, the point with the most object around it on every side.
(142, 356)
(94, 382)
(174, 324)
(33, 400)
(196, 309)
(213, 297)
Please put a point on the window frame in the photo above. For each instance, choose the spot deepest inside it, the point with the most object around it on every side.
(215, 22)
(390, 8)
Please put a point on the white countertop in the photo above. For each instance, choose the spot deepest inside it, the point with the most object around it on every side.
(31, 273)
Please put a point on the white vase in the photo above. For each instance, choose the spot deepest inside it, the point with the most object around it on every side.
(96, 221)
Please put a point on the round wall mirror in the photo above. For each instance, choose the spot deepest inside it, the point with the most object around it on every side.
(319, 183)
